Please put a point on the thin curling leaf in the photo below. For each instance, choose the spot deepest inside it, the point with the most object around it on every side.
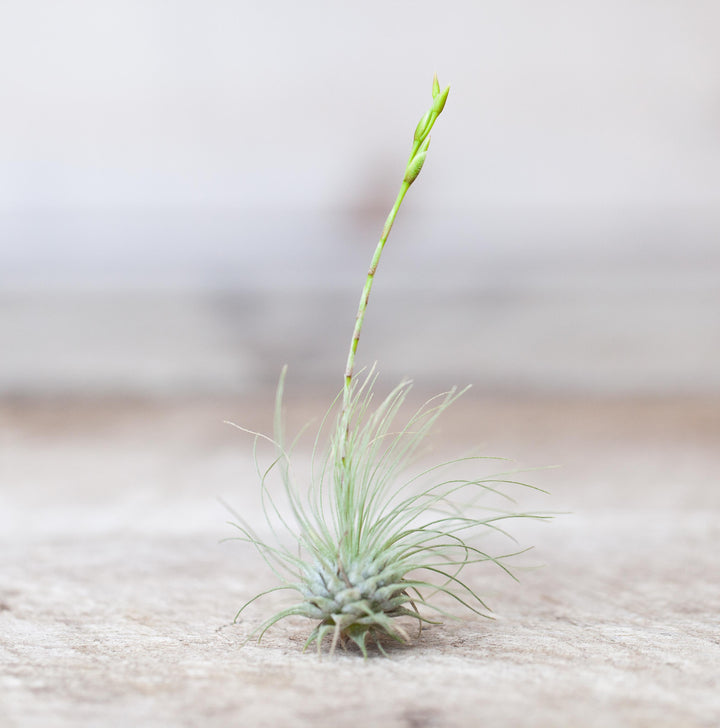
(369, 552)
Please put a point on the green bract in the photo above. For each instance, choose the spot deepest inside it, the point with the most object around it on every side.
(362, 543)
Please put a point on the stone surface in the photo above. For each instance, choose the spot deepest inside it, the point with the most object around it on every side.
(116, 599)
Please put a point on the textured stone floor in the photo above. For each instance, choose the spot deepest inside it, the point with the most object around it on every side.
(117, 599)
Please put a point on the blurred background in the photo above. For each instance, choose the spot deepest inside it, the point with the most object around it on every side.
(190, 193)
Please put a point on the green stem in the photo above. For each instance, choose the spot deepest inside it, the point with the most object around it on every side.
(421, 141)
(365, 296)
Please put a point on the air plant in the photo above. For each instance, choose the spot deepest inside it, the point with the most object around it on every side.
(369, 544)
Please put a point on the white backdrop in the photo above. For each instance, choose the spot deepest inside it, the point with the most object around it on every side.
(243, 147)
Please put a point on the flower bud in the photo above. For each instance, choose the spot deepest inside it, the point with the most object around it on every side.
(439, 101)
(413, 169)
(422, 126)
(436, 86)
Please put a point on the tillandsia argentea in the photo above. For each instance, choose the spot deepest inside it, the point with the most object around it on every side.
(368, 548)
